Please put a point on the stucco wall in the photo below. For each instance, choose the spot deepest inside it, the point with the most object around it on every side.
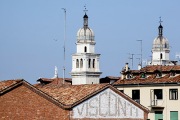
(107, 105)
(145, 93)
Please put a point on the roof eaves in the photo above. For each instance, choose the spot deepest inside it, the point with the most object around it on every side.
(7, 89)
(90, 95)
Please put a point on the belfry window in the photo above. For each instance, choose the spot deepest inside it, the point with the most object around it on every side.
(81, 63)
(161, 56)
(77, 63)
(89, 63)
(85, 49)
(93, 63)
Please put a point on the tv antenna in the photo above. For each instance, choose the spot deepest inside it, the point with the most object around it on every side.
(64, 47)
(132, 57)
(141, 51)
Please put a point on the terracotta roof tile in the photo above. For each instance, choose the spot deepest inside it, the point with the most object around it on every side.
(69, 95)
(150, 80)
(7, 83)
(159, 67)
(54, 81)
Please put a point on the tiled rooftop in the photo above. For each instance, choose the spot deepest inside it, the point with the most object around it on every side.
(8, 83)
(55, 81)
(69, 95)
(160, 67)
(149, 80)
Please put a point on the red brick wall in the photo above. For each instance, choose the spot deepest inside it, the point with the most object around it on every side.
(21, 103)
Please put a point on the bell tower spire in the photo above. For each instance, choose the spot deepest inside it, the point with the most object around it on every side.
(160, 28)
(85, 18)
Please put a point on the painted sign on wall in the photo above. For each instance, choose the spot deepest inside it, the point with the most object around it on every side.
(107, 104)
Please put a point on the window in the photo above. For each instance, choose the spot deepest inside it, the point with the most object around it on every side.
(81, 63)
(85, 49)
(129, 76)
(77, 63)
(121, 91)
(173, 115)
(158, 115)
(136, 95)
(89, 63)
(173, 94)
(158, 75)
(143, 75)
(161, 56)
(93, 63)
(158, 94)
(172, 74)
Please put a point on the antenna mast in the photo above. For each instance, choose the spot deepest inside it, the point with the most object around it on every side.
(141, 51)
(64, 47)
(160, 35)
(132, 57)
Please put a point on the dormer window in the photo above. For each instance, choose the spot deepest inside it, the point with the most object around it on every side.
(172, 74)
(158, 75)
(129, 76)
(143, 75)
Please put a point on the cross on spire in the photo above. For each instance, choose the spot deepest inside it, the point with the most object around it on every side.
(160, 21)
(85, 10)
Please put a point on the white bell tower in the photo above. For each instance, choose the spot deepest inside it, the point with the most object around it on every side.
(160, 49)
(85, 62)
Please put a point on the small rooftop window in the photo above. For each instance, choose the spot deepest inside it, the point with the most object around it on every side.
(143, 75)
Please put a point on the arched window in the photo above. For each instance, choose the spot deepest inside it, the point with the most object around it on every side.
(89, 63)
(81, 63)
(77, 63)
(85, 49)
(161, 56)
(93, 63)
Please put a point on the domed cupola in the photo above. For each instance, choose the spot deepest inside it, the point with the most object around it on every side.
(160, 49)
(160, 43)
(85, 34)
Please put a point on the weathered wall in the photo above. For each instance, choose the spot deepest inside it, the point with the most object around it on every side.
(107, 105)
(23, 104)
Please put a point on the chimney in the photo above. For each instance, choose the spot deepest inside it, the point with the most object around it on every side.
(55, 72)
(139, 66)
(126, 67)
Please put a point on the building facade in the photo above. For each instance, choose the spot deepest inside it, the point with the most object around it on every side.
(155, 87)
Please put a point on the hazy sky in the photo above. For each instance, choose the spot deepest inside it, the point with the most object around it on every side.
(32, 33)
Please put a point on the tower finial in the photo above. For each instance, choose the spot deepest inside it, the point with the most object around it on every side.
(160, 27)
(160, 21)
(85, 10)
(85, 18)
